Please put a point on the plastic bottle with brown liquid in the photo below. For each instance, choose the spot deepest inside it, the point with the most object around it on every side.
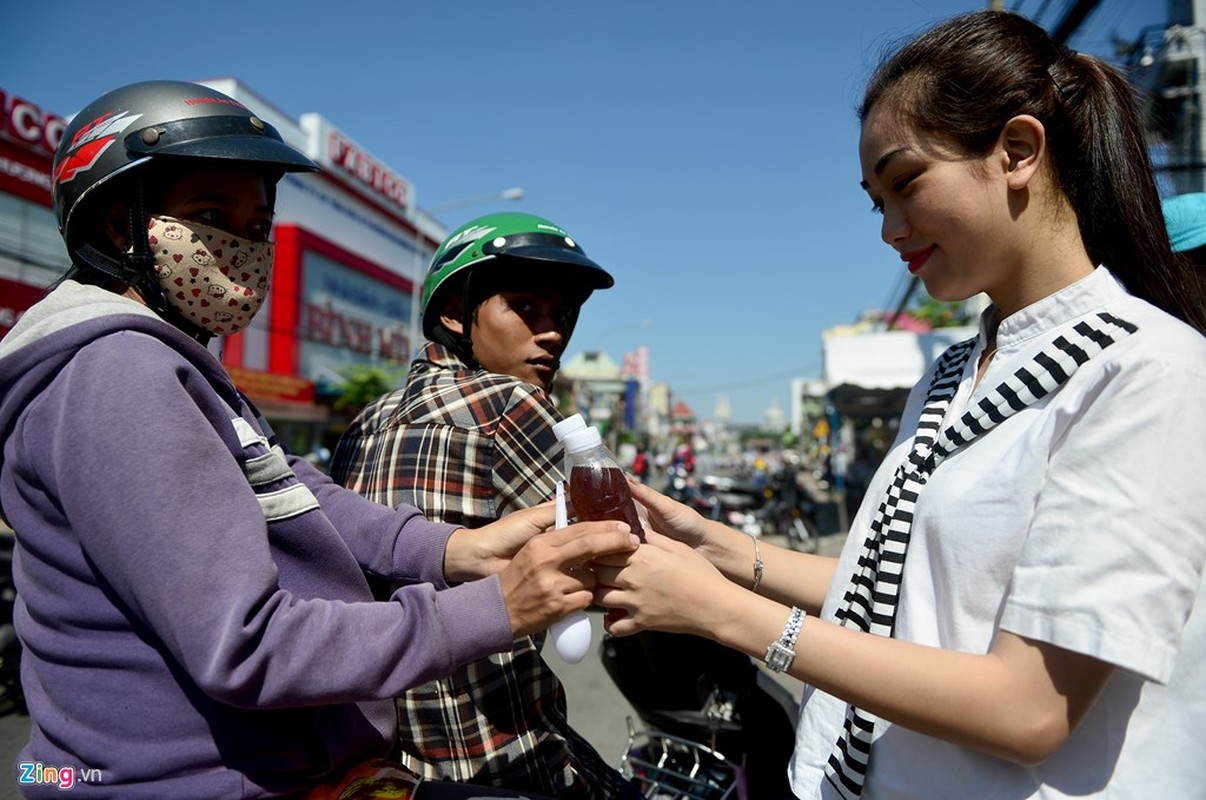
(597, 486)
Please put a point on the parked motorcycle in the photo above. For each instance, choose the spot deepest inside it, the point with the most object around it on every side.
(790, 512)
(682, 486)
(778, 505)
(737, 503)
(719, 498)
(715, 725)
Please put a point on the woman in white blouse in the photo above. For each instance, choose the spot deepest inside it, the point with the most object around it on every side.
(1016, 613)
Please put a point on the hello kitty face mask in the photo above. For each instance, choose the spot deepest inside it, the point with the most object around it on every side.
(215, 280)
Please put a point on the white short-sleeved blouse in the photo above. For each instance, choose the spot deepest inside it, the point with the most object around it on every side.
(1079, 521)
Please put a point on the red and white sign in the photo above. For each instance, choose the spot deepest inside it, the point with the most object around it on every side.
(636, 364)
(342, 157)
(30, 126)
(21, 177)
(28, 138)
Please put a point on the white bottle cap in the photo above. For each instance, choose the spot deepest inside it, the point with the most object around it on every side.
(577, 441)
(567, 426)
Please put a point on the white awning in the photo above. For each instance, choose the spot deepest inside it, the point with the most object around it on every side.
(885, 359)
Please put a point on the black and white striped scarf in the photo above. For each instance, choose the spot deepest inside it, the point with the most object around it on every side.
(870, 603)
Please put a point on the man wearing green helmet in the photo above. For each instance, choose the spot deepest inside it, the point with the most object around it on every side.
(469, 439)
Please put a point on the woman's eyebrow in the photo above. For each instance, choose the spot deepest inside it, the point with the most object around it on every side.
(882, 164)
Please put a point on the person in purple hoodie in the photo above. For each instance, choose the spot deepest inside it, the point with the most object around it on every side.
(192, 601)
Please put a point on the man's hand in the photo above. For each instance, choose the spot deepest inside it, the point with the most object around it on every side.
(550, 575)
(478, 552)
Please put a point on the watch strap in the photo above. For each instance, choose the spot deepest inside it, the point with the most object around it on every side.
(782, 651)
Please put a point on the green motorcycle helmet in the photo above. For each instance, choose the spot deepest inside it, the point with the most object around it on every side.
(510, 241)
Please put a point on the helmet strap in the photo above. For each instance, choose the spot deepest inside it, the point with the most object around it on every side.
(156, 300)
(143, 263)
(105, 264)
(140, 256)
(132, 266)
(464, 342)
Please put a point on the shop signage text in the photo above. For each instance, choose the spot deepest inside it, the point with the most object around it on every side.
(348, 160)
(366, 169)
(29, 126)
(328, 325)
(345, 309)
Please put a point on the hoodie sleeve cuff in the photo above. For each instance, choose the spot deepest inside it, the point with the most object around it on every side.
(475, 619)
(419, 552)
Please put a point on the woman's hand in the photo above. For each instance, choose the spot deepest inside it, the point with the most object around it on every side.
(663, 584)
(728, 549)
(671, 517)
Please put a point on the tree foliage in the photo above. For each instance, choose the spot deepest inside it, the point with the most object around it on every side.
(938, 313)
(365, 383)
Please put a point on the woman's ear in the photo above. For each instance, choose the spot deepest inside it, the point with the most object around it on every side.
(1024, 143)
(117, 223)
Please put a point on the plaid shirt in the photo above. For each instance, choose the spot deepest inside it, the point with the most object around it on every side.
(469, 446)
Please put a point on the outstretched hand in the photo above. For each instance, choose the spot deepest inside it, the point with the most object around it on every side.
(664, 585)
(478, 552)
(550, 575)
(670, 516)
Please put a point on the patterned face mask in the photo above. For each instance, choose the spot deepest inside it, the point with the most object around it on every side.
(215, 280)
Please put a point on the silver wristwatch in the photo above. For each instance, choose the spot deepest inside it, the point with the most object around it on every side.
(782, 651)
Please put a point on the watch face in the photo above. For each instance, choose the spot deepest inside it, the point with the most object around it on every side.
(779, 657)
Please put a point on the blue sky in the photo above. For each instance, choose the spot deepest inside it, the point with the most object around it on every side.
(704, 152)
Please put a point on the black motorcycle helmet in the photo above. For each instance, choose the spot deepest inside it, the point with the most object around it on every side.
(124, 143)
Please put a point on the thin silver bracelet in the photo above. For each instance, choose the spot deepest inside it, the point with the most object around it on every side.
(757, 566)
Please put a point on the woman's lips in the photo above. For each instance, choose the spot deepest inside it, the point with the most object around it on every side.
(916, 258)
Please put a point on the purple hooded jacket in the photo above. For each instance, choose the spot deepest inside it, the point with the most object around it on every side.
(191, 601)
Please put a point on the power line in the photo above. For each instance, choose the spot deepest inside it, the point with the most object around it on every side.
(904, 300)
(1038, 15)
(792, 373)
(1074, 16)
(902, 277)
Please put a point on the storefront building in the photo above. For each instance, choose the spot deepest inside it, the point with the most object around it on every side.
(351, 250)
(31, 252)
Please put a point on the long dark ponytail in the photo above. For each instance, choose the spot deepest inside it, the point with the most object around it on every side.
(965, 78)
